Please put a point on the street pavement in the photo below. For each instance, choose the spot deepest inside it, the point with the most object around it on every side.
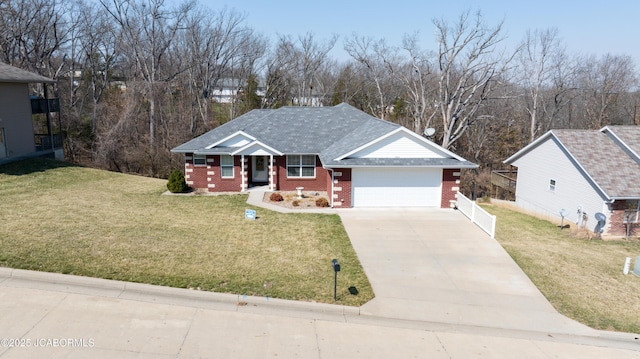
(46, 315)
(438, 295)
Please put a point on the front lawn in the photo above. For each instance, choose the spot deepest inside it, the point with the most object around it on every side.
(57, 217)
(582, 278)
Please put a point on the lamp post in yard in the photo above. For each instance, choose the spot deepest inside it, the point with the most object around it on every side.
(336, 269)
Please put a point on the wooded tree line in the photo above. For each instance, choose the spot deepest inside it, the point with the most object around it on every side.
(136, 78)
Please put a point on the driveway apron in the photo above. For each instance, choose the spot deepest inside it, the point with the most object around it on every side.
(435, 265)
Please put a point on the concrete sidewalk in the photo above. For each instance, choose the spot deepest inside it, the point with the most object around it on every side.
(55, 315)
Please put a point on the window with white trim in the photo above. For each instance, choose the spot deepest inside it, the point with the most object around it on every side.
(226, 166)
(631, 211)
(301, 166)
(552, 185)
(199, 160)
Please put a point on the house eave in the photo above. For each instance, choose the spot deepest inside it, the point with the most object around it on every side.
(259, 144)
(238, 133)
(406, 131)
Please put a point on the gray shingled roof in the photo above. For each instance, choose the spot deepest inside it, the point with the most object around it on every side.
(328, 132)
(10, 73)
(605, 162)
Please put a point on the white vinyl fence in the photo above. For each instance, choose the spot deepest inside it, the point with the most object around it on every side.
(477, 215)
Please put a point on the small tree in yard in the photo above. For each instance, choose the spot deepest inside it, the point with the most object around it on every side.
(177, 183)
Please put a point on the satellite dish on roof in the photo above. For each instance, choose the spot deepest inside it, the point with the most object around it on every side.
(429, 131)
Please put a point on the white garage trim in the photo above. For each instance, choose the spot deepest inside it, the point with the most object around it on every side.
(396, 187)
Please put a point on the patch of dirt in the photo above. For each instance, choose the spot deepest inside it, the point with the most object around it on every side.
(308, 199)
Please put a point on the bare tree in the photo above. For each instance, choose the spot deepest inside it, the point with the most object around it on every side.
(33, 34)
(99, 44)
(417, 79)
(149, 29)
(540, 54)
(468, 67)
(602, 82)
(370, 55)
(302, 61)
(218, 46)
(350, 86)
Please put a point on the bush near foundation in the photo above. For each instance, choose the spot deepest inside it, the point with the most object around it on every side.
(322, 202)
(177, 183)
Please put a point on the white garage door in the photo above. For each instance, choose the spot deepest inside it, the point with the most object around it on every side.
(396, 187)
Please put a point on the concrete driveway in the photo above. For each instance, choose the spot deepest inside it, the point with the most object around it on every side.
(435, 265)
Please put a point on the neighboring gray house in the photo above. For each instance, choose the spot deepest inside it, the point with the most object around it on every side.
(583, 172)
(359, 160)
(17, 137)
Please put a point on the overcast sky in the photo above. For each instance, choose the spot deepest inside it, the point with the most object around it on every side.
(585, 26)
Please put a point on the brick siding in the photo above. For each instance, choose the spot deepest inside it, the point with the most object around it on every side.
(319, 183)
(208, 178)
(342, 188)
(617, 227)
(450, 187)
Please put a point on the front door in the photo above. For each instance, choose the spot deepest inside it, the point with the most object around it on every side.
(260, 169)
(3, 144)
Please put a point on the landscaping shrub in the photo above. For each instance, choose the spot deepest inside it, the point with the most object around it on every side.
(322, 202)
(177, 183)
(295, 203)
(276, 197)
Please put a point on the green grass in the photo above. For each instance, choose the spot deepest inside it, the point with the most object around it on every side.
(57, 217)
(582, 278)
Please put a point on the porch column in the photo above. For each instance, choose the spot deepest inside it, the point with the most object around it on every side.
(272, 186)
(243, 185)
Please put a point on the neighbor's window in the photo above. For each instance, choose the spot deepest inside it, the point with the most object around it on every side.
(199, 160)
(226, 166)
(631, 211)
(552, 185)
(301, 166)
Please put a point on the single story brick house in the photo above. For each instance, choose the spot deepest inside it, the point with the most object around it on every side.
(359, 160)
(583, 172)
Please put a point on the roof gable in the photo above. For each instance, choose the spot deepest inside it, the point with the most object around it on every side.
(400, 143)
(257, 148)
(610, 169)
(238, 139)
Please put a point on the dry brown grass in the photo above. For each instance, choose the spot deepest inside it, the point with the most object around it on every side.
(61, 218)
(581, 276)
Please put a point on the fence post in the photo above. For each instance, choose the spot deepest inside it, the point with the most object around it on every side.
(493, 227)
(473, 211)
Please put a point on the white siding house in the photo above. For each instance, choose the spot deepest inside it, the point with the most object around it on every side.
(548, 181)
(583, 172)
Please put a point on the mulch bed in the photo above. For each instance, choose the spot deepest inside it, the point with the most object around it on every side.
(308, 199)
